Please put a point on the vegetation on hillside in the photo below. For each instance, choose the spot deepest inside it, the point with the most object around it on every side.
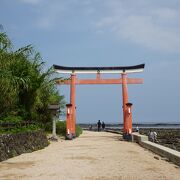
(26, 88)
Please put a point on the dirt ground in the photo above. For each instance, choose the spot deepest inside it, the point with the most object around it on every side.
(92, 156)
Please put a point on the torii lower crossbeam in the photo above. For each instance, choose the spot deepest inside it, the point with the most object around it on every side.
(100, 81)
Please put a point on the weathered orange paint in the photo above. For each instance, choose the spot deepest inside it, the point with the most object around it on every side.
(68, 119)
(125, 101)
(73, 101)
(98, 80)
(135, 80)
(128, 117)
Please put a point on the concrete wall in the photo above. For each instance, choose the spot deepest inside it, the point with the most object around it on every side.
(136, 137)
(166, 152)
(15, 144)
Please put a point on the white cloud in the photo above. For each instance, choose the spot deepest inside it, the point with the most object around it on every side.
(165, 13)
(145, 23)
(150, 26)
(46, 12)
(50, 15)
(142, 30)
(33, 2)
(44, 23)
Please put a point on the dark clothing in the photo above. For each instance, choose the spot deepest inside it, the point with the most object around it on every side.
(103, 125)
(99, 125)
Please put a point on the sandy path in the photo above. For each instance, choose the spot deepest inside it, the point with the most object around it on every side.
(92, 156)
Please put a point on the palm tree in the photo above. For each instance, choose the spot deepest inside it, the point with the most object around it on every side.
(25, 88)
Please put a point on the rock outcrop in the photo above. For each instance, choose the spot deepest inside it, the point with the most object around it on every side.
(15, 144)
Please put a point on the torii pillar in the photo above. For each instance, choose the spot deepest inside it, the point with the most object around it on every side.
(73, 102)
(125, 101)
(127, 107)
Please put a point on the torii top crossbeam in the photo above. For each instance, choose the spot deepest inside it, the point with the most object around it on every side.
(94, 70)
(98, 71)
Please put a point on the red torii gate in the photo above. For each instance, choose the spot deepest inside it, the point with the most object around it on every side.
(73, 81)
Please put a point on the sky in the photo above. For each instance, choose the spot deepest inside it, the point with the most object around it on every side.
(106, 33)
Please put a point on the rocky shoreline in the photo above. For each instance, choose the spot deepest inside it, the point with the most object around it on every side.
(169, 137)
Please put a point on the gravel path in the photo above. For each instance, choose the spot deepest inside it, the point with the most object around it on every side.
(91, 156)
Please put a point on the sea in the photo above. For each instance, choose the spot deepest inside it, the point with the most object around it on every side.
(116, 126)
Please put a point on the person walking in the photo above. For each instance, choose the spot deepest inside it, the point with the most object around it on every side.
(99, 125)
(152, 136)
(103, 125)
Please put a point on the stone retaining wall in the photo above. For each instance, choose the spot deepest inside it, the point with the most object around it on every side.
(15, 144)
(170, 154)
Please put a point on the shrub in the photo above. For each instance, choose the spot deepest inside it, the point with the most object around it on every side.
(12, 119)
(61, 128)
(48, 127)
(18, 129)
(78, 130)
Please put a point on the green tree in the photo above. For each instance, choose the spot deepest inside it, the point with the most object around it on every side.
(26, 88)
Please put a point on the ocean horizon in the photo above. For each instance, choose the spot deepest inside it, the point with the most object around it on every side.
(140, 125)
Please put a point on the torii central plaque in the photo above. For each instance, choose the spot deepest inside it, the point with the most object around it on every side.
(122, 70)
